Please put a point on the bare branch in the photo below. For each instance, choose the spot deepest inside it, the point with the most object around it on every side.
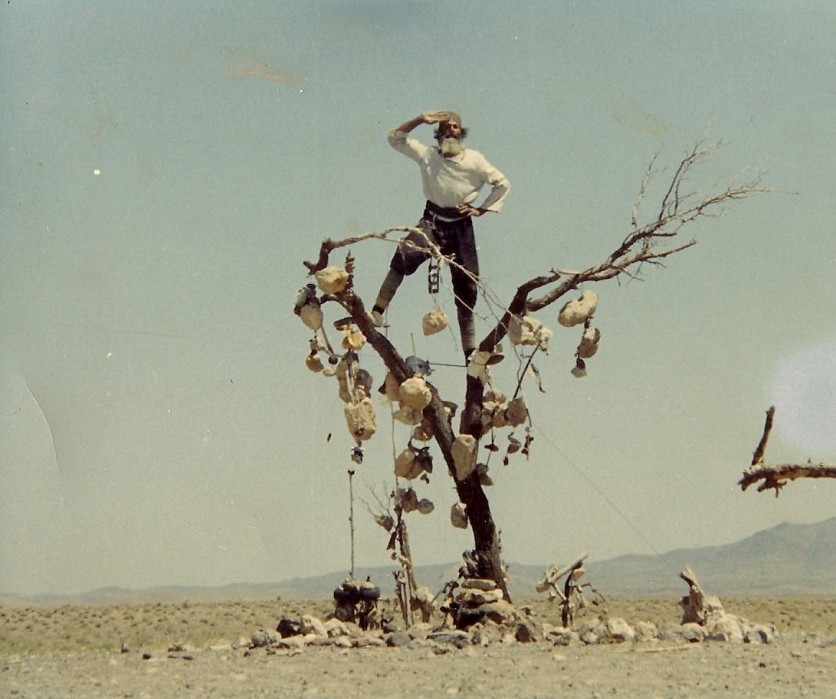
(648, 243)
(757, 457)
(775, 477)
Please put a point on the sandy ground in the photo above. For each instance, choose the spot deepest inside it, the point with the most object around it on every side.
(202, 650)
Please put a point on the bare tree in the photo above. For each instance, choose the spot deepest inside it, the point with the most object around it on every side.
(775, 476)
(647, 243)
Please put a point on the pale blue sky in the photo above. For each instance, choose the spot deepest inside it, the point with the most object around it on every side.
(157, 424)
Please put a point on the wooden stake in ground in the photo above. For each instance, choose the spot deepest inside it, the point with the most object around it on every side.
(775, 476)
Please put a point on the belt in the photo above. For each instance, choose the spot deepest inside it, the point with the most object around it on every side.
(441, 213)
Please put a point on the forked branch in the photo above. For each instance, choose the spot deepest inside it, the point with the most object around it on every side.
(649, 243)
(775, 476)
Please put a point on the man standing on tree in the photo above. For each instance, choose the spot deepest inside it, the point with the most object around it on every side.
(452, 177)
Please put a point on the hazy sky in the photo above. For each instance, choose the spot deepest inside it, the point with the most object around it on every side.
(167, 166)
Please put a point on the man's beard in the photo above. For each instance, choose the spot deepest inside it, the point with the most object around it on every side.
(450, 146)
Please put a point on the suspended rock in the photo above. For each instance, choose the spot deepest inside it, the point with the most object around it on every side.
(390, 387)
(409, 499)
(364, 381)
(425, 506)
(589, 343)
(314, 363)
(347, 395)
(406, 466)
(348, 367)
(434, 322)
(458, 515)
(415, 393)
(408, 415)
(513, 444)
(578, 311)
(484, 476)
(360, 419)
(332, 280)
(486, 420)
(311, 315)
(499, 420)
(353, 339)
(425, 459)
(305, 295)
(464, 455)
(422, 432)
(517, 412)
(527, 330)
(477, 366)
(385, 521)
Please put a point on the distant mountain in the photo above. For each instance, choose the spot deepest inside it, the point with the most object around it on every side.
(797, 559)
(788, 559)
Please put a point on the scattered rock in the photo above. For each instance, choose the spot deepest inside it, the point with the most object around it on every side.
(692, 632)
(334, 628)
(528, 631)
(646, 631)
(458, 639)
(288, 627)
(399, 639)
(312, 625)
(262, 639)
(619, 631)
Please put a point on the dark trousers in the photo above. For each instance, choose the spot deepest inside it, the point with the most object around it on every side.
(456, 240)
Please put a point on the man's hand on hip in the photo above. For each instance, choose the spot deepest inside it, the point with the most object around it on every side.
(469, 210)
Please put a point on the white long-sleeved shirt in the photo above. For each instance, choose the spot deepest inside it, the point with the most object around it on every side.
(451, 182)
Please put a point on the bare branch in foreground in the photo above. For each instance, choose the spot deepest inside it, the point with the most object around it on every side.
(775, 476)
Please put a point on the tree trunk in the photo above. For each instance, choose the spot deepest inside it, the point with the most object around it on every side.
(487, 550)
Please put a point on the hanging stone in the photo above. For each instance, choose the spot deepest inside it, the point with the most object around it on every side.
(434, 322)
(458, 515)
(517, 412)
(311, 315)
(527, 330)
(484, 477)
(360, 419)
(464, 455)
(477, 366)
(332, 280)
(415, 393)
(409, 499)
(579, 310)
(390, 387)
(422, 432)
(589, 343)
(406, 465)
(353, 339)
(408, 415)
(314, 363)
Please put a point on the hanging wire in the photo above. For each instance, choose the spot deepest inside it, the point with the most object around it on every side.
(615, 508)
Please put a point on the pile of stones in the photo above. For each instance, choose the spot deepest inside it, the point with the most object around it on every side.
(476, 614)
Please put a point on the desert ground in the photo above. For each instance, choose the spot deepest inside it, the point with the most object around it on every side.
(207, 650)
